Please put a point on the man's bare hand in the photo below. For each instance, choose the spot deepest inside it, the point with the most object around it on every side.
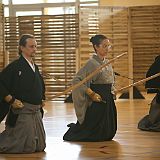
(17, 104)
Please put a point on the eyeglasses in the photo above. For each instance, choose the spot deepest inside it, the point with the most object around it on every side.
(108, 46)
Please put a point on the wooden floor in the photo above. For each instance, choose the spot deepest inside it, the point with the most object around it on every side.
(128, 144)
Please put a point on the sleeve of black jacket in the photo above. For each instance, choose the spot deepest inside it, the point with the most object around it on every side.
(6, 78)
(154, 68)
(44, 89)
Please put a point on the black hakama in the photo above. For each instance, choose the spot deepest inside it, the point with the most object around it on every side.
(100, 123)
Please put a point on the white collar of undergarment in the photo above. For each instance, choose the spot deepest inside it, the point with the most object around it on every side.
(30, 64)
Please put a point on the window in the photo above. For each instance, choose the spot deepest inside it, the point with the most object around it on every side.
(27, 13)
(27, 1)
(59, 1)
(6, 11)
(55, 7)
(60, 10)
(5, 2)
(88, 0)
(70, 10)
(54, 11)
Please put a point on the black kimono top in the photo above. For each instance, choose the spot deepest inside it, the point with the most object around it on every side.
(19, 80)
(154, 68)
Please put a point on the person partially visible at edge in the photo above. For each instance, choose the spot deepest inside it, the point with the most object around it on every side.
(22, 92)
(151, 121)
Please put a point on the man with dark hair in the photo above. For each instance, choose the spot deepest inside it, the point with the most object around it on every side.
(22, 92)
